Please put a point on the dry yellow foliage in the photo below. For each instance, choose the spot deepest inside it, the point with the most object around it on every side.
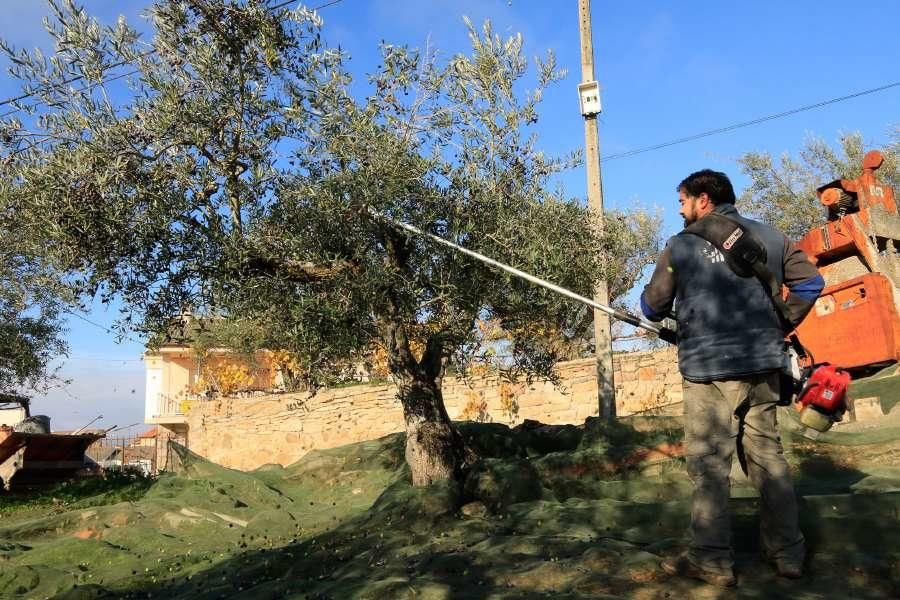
(508, 394)
(475, 409)
(377, 358)
(288, 364)
(479, 369)
(223, 376)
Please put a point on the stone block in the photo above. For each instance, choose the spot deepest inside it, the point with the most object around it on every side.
(626, 376)
(563, 416)
(313, 426)
(673, 378)
(868, 409)
(585, 387)
(674, 396)
(530, 400)
(646, 374)
(583, 413)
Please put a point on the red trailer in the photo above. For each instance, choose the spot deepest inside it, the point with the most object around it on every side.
(28, 459)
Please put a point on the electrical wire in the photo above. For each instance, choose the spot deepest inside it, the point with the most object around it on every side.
(99, 326)
(617, 156)
(756, 121)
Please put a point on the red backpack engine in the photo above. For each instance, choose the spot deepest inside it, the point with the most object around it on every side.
(823, 399)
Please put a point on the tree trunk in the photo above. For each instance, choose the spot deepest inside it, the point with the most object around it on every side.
(435, 450)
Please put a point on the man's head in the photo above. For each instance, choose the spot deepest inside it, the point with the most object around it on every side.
(700, 192)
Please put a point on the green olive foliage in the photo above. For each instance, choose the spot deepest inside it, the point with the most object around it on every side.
(31, 300)
(226, 171)
(229, 174)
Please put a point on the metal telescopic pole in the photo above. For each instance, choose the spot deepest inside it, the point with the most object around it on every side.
(664, 333)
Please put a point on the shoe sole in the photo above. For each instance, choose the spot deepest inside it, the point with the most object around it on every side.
(693, 572)
(784, 574)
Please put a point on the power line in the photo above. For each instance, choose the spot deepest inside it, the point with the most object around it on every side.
(756, 121)
(320, 7)
(99, 326)
(628, 153)
(86, 320)
(75, 78)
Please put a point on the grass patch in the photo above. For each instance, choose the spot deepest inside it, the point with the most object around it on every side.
(113, 487)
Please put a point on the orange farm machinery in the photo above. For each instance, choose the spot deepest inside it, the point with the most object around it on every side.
(855, 322)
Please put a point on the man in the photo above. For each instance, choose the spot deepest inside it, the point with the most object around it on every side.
(730, 350)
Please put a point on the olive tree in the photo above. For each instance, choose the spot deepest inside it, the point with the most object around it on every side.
(782, 192)
(231, 174)
(31, 300)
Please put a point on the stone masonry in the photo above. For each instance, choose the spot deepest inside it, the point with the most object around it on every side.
(247, 432)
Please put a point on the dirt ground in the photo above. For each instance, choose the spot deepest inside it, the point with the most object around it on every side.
(559, 512)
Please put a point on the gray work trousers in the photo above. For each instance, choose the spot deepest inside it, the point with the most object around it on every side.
(720, 417)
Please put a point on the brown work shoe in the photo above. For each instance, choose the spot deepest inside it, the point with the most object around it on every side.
(682, 565)
(787, 569)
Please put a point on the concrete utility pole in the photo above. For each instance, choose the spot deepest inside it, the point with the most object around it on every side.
(590, 107)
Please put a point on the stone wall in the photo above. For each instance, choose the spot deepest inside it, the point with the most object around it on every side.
(244, 433)
(646, 381)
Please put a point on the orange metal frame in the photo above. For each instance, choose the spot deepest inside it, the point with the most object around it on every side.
(855, 323)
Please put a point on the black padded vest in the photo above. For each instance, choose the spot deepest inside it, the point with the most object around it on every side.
(727, 324)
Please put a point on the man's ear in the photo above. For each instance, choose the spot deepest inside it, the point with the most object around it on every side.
(705, 201)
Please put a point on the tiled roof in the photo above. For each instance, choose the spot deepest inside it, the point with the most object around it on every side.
(150, 433)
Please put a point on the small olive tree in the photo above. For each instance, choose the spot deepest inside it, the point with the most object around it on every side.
(236, 176)
(783, 192)
(31, 300)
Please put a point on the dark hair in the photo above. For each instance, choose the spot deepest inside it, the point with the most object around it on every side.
(715, 183)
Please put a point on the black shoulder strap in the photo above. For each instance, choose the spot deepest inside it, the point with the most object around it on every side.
(744, 253)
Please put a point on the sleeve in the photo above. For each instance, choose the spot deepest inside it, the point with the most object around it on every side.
(803, 281)
(659, 295)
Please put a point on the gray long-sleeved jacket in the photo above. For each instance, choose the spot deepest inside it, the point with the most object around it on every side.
(727, 325)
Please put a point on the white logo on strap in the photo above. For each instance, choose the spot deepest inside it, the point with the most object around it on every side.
(737, 233)
(712, 254)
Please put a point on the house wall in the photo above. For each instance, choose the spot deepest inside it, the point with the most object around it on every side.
(168, 377)
(11, 416)
(247, 432)
(171, 375)
(177, 378)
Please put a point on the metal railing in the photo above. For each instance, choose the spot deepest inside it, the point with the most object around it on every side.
(123, 453)
(169, 407)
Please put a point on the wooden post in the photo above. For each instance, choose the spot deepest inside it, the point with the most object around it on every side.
(602, 337)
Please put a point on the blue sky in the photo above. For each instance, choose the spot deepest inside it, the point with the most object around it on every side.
(666, 70)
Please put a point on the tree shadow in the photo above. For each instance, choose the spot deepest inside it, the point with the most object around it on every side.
(586, 539)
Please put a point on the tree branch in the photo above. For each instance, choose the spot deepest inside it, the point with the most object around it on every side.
(300, 271)
(433, 358)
